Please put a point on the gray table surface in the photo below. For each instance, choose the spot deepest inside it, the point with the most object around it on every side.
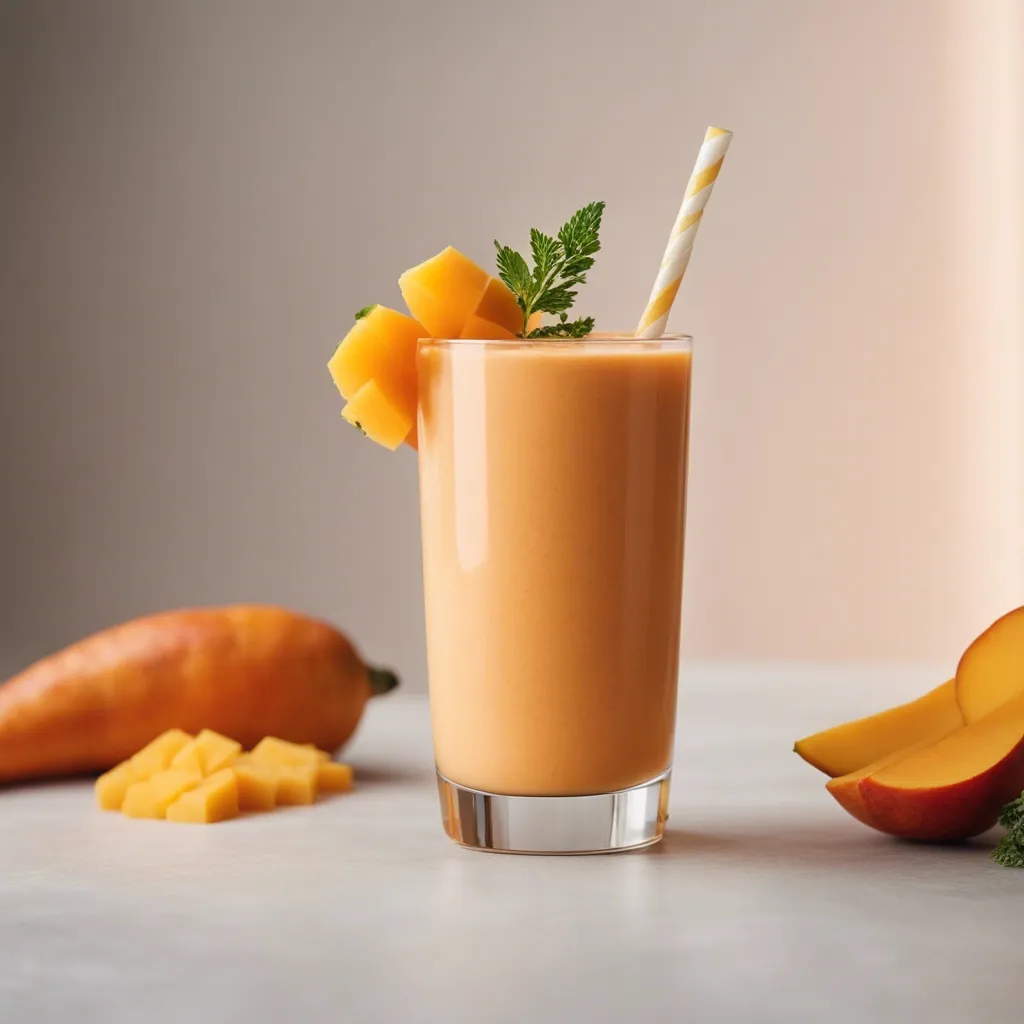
(764, 903)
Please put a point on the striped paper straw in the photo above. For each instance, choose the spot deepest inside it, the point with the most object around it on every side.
(680, 242)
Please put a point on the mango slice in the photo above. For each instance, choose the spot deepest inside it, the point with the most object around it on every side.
(443, 292)
(846, 748)
(112, 786)
(210, 749)
(150, 799)
(296, 784)
(332, 777)
(991, 670)
(948, 788)
(370, 411)
(273, 751)
(381, 347)
(215, 800)
(157, 755)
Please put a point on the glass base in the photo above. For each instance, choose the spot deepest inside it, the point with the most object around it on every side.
(602, 823)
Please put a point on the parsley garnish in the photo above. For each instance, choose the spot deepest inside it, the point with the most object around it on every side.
(559, 265)
(1010, 851)
(366, 311)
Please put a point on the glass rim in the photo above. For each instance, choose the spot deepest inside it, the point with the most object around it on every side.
(599, 340)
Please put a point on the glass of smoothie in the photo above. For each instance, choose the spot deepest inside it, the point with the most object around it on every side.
(553, 505)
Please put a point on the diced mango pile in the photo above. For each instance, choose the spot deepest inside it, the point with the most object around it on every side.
(374, 367)
(206, 778)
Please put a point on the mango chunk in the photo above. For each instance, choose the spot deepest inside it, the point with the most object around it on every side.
(157, 755)
(210, 749)
(210, 779)
(381, 347)
(332, 777)
(370, 411)
(150, 799)
(296, 783)
(273, 751)
(498, 306)
(485, 330)
(442, 293)
(215, 800)
(112, 786)
(257, 785)
(188, 758)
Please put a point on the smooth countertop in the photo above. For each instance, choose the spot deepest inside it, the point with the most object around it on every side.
(764, 903)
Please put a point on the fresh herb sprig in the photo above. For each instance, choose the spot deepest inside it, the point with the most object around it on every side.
(1010, 851)
(559, 265)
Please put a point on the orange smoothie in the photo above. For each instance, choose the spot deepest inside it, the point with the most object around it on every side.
(553, 502)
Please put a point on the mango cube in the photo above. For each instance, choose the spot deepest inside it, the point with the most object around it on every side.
(151, 799)
(209, 779)
(332, 777)
(271, 750)
(210, 749)
(498, 306)
(443, 292)
(112, 786)
(215, 800)
(157, 755)
(371, 411)
(486, 330)
(296, 784)
(257, 785)
(381, 347)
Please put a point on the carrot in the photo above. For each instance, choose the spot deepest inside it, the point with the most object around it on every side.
(246, 671)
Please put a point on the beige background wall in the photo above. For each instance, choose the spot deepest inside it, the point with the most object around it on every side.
(195, 196)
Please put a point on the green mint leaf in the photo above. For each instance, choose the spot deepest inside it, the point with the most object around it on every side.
(560, 265)
(366, 311)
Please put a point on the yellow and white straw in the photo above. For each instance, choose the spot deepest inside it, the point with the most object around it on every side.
(680, 242)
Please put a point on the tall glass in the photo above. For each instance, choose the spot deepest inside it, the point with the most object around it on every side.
(553, 505)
